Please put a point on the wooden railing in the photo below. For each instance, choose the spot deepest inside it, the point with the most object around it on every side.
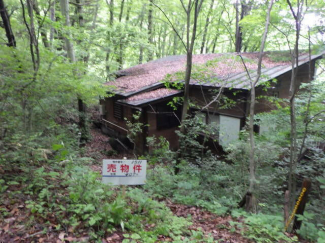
(111, 123)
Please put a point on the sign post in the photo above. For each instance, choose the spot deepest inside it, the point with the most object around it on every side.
(124, 172)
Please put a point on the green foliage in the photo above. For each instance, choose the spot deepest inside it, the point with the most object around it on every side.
(159, 150)
(207, 187)
(190, 147)
(134, 128)
(3, 187)
(263, 227)
(39, 123)
(309, 230)
(76, 199)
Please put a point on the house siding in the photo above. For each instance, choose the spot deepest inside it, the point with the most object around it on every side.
(237, 110)
(109, 116)
(168, 133)
(281, 88)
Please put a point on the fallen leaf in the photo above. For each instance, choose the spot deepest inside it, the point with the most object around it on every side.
(71, 229)
(19, 226)
(6, 228)
(10, 220)
(61, 236)
(14, 211)
(17, 239)
(113, 238)
(70, 238)
(83, 239)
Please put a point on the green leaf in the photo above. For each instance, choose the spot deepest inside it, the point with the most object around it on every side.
(93, 220)
(56, 147)
(13, 183)
(135, 236)
(89, 208)
(122, 225)
(53, 174)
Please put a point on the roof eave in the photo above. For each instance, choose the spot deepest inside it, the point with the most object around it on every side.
(146, 102)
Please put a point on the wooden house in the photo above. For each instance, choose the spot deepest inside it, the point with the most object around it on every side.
(142, 88)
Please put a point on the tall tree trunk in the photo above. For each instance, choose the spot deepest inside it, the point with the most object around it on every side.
(68, 44)
(217, 33)
(150, 28)
(121, 11)
(163, 44)
(207, 22)
(120, 57)
(252, 163)
(82, 108)
(111, 12)
(71, 55)
(250, 198)
(111, 21)
(7, 25)
(238, 33)
(175, 43)
(128, 11)
(39, 21)
(189, 52)
(141, 26)
(245, 8)
(35, 56)
(93, 27)
(52, 17)
(292, 92)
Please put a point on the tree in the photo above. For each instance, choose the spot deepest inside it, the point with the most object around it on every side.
(7, 25)
(190, 40)
(150, 27)
(205, 31)
(249, 197)
(71, 55)
(293, 90)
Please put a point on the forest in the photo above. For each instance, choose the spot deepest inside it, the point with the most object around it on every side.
(60, 58)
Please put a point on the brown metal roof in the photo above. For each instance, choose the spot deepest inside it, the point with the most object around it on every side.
(150, 96)
(144, 82)
(143, 76)
(242, 80)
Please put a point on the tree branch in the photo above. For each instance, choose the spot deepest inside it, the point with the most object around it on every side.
(171, 24)
(291, 9)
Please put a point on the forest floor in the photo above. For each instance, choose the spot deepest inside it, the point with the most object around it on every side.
(17, 223)
(209, 223)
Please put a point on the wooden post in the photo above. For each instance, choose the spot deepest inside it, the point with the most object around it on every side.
(301, 207)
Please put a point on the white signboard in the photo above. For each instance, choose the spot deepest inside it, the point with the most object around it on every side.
(124, 172)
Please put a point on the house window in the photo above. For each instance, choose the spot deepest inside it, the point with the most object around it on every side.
(166, 120)
(275, 94)
(166, 117)
(118, 111)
